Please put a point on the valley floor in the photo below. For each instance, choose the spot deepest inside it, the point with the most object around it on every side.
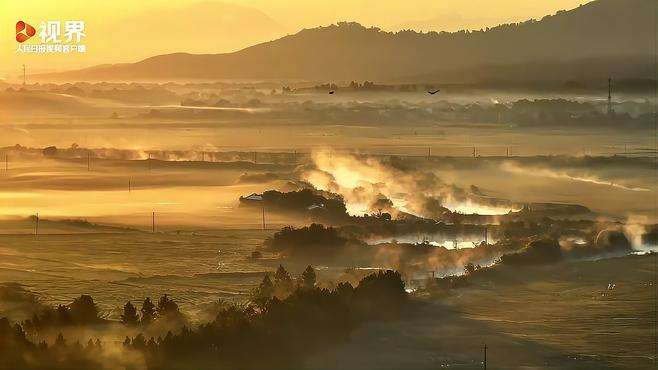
(552, 317)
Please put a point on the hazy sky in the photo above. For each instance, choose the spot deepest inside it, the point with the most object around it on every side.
(130, 30)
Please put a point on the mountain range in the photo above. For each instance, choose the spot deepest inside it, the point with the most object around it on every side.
(598, 39)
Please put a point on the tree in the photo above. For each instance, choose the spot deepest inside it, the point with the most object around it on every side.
(5, 327)
(263, 292)
(83, 310)
(148, 311)
(139, 342)
(282, 283)
(60, 342)
(151, 345)
(129, 316)
(90, 346)
(168, 309)
(63, 315)
(381, 294)
(345, 291)
(308, 278)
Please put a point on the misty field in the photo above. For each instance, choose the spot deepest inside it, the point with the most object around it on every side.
(184, 194)
(240, 185)
(558, 316)
(117, 266)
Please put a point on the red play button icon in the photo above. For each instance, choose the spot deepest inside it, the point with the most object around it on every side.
(24, 31)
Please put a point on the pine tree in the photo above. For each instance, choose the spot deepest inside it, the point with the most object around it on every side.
(129, 316)
(90, 346)
(83, 310)
(148, 311)
(282, 283)
(168, 309)
(308, 278)
(60, 342)
(262, 294)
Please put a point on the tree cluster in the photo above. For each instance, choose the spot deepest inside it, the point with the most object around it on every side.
(166, 309)
(307, 242)
(277, 333)
(274, 333)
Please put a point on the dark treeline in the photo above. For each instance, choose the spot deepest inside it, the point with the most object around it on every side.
(524, 113)
(307, 242)
(314, 203)
(329, 208)
(285, 322)
(83, 311)
(527, 237)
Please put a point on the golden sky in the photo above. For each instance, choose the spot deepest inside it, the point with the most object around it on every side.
(130, 30)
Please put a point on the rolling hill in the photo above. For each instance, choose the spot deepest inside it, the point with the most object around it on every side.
(601, 37)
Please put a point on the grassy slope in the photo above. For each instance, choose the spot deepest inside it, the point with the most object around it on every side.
(552, 317)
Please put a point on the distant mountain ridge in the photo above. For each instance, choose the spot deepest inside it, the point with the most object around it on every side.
(603, 32)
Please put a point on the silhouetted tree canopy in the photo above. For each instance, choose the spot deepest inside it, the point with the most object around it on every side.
(168, 309)
(307, 242)
(282, 335)
(148, 311)
(308, 278)
(129, 316)
(263, 292)
(84, 311)
(283, 284)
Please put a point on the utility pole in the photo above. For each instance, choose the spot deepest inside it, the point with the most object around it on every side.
(610, 96)
(153, 222)
(609, 90)
(36, 224)
(129, 185)
(429, 153)
(263, 217)
(485, 357)
(24, 75)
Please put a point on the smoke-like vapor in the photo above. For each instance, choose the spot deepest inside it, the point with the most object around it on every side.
(369, 185)
(204, 153)
(545, 172)
(635, 227)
